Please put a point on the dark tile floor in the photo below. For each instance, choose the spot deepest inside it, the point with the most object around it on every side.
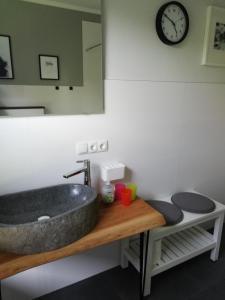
(197, 279)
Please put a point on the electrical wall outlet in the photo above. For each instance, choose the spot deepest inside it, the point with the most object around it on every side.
(92, 147)
(102, 146)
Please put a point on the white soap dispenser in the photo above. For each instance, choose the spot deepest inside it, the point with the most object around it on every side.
(109, 172)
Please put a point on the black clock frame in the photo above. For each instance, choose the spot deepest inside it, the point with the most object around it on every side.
(159, 30)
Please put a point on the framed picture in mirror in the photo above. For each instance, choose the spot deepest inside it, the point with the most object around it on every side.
(6, 66)
(49, 67)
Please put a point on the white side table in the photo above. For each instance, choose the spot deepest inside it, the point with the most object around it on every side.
(172, 245)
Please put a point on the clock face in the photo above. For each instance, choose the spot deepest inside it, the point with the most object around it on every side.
(172, 23)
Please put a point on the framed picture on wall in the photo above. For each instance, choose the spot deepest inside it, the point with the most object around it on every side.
(6, 66)
(214, 43)
(49, 67)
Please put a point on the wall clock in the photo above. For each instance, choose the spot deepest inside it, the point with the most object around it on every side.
(172, 23)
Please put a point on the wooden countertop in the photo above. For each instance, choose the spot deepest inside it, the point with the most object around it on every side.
(115, 222)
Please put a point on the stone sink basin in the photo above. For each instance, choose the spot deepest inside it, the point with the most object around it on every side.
(45, 219)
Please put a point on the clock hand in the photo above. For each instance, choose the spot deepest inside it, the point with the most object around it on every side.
(173, 23)
(179, 19)
(169, 19)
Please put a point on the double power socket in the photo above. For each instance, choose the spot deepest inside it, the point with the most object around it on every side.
(92, 147)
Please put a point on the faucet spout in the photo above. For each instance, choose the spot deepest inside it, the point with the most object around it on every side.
(85, 169)
(73, 173)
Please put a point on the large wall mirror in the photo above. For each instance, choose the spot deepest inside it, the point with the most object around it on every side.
(50, 57)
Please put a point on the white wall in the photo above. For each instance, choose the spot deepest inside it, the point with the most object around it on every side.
(146, 57)
(165, 123)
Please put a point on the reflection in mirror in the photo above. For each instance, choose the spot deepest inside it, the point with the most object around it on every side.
(56, 57)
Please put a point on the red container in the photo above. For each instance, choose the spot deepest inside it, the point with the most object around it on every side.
(126, 196)
(118, 188)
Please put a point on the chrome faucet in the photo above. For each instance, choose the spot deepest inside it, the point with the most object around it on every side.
(85, 169)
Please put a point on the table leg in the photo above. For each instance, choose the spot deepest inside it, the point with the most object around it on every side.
(143, 262)
(218, 227)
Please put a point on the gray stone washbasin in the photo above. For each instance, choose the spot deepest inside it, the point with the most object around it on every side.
(65, 212)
